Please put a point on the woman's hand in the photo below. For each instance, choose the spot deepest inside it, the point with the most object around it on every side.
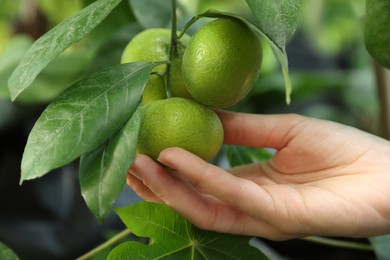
(325, 179)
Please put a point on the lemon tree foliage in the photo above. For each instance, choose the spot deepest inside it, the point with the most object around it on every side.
(381, 246)
(277, 19)
(53, 43)
(103, 171)
(376, 30)
(54, 79)
(158, 16)
(83, 117)
(6, 253)
(239, 155)
(95, 119)
(172, 236)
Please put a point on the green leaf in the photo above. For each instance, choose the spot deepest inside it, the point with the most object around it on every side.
(103, 171)
(381, 246)
(83, 117)
(239, 155)
(54, 42)
(236, 156)
(6, 253)
(277, 19)
(55, 78)
(376, 30)
(174, 237)
(152, 13)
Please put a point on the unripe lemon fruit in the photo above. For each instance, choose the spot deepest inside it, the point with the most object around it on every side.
(154, 89)
(152, 45)
(180, 122)
(222, 62)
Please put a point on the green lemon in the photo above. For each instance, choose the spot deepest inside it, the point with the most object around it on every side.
(180, 122)
(152, 45)
(222, 62)
(154, 90)
(376, 31)
(175, 79)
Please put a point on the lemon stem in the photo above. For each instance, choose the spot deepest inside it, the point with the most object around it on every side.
(339, 243)
(383, 93)
(172, 47)
(115, 239)
(188, 24)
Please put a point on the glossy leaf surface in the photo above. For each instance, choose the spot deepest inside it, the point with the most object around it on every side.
(83, 117)
(174, 237)
(277, 19)
(103, 171)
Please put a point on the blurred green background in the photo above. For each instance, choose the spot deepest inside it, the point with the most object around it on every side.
(332, 74)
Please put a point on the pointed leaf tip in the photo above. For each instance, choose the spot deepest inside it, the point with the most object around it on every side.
(55, 41)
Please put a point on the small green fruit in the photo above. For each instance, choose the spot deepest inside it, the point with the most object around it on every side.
(222, 62)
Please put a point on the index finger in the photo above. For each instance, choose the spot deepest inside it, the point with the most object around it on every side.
(271, 131)
(213, 180)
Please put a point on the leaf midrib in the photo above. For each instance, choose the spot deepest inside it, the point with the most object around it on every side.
(69, 121)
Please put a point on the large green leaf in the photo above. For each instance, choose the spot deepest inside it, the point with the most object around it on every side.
(54, 79)
(173, 237)
(152, 13)
(6, 253)
(381, 246)
(277, 19)
(83, 117)
(54, 42)
(103, 171)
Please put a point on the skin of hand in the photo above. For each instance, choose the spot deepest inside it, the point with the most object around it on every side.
(324, 179)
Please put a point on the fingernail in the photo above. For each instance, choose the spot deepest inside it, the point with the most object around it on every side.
(132, 172)
(165, 165)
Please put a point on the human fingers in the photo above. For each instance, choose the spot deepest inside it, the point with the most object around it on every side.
(255, 172)
(240, 193)
(171, 190)
(137, 185)
(272, 131)
(204, 211)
